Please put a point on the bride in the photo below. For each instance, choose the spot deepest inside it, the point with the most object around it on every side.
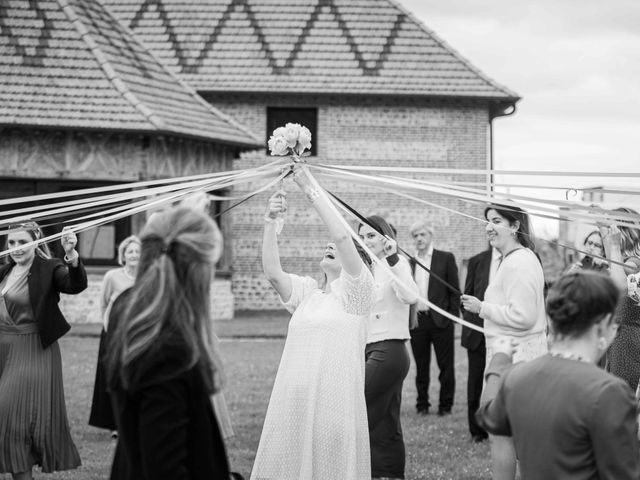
(316, 422)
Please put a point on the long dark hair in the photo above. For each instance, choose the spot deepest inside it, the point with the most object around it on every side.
(524, 234)
(169, 304)
(380, 225)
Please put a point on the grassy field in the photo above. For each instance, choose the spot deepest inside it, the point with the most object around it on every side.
(437, 448)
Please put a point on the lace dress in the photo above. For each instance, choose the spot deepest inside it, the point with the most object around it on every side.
(623, 356)
(316, 423)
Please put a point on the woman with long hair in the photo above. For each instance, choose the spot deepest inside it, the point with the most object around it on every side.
(162, 363)
(567, 417)
(113, 284)
(316, 422)
(386, 355)
(513, 307)
(34, 429)
(594, 247)
(622, 245)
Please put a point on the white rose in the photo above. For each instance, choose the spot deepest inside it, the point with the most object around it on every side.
(278, 146)
(279, 132)
(304, 140)
(292, 130)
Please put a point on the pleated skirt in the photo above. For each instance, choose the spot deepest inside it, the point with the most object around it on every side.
(34, 429)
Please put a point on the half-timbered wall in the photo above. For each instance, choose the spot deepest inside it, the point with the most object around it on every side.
(73, 156)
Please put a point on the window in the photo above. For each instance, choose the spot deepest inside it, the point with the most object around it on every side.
(280, 116)
(97, 246)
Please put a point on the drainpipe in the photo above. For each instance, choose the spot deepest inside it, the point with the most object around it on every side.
(497, 109)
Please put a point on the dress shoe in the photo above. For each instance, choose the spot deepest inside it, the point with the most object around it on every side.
(444, 411)
(478, 438)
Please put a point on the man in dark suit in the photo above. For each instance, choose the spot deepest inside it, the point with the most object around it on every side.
(430, 327)
(477, 280)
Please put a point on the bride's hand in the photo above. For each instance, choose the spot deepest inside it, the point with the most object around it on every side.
(277, 204)
(302, 177)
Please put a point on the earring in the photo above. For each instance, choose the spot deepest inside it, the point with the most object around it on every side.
(602, 343)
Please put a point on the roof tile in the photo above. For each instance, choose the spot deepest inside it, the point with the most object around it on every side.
(319, 46)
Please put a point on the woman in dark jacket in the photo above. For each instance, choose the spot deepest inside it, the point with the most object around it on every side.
(162, 365)
(30, 362)
(568, 418)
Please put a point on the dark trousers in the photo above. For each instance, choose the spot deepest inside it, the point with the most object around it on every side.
(477, 359)
(426, 334)
(387, 364)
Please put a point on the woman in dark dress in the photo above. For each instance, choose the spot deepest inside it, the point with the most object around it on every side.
(162, 363)
(30, 364)
(622, 244)
(567, 417)
(113, 284)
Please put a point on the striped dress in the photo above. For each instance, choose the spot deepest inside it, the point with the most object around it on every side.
(34, 429)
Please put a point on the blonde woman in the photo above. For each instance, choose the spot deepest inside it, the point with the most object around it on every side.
(162, 362)
(113, 284)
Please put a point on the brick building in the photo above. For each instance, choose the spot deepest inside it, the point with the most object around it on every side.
(375, 86)
(84, 104)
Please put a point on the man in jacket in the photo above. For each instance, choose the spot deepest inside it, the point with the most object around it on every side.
(479, 272)
(429, 327)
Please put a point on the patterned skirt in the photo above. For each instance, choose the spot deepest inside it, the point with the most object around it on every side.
(623, 356)
(34, 429)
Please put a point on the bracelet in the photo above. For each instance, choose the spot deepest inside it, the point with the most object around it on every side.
(73, 257)
(313, 194)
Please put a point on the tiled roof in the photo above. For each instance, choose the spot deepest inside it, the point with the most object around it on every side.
(71, 64)
(306, 46)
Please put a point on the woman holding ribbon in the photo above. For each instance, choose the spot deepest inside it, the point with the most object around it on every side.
(113, 284)
(513, 307)
(386, 353)
(316, 422)
(34, 429)
(594, 248)
(622, 244)
(568, 418)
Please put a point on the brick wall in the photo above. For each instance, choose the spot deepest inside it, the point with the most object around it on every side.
(360, 131)
(85, 307)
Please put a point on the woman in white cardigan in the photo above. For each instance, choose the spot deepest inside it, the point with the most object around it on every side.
(513, 307)
(387, 358)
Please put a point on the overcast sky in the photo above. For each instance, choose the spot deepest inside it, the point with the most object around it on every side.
(576, 65)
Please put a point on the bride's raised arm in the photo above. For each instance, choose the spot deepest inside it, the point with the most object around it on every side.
(270, 253)
(349, 257)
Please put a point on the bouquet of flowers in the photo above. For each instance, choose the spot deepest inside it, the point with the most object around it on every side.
(292, 139)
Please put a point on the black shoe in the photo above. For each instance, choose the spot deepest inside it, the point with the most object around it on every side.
(444, 411)
(478, 438)
(423, 411)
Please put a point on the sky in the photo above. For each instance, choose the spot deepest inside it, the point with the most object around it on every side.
(576, 65)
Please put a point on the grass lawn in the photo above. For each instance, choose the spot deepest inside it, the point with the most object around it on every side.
(437, 448)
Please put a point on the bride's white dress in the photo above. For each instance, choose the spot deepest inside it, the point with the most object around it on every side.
(316, 422)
